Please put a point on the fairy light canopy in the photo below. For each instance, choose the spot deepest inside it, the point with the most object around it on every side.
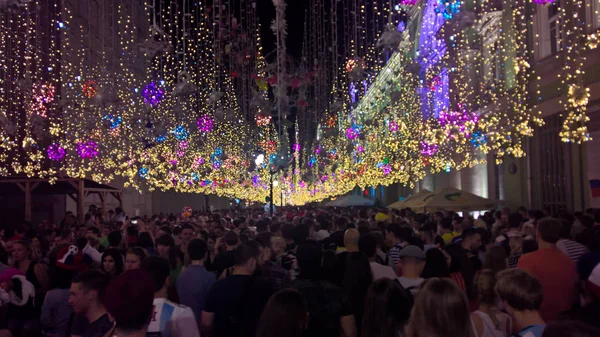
(179, 95)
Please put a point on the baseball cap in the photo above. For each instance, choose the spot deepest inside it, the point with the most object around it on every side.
(412, 251)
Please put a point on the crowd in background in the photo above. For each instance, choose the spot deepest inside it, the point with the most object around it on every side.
(308, 271)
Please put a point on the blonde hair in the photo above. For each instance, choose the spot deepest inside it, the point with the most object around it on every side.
(441, 309)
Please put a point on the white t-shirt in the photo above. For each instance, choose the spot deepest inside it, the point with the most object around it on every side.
(381, 271)
(172, 320)
(268, 208)
(411, 284)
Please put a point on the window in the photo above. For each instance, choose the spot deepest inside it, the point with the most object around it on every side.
(555, 34)
(592, 15)
(548, 30)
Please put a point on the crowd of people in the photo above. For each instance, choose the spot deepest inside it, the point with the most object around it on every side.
(303, 272)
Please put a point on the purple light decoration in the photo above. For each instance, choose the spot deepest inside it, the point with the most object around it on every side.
(255, 180)
(432, 48)
(302, 184)
(216, 165)
(352, 133)
(183, 145)
(324, 178)
(205, 123)
(393, 126)
(360, 149)
(408, 2)
(87, 149)
(296, 147)
(200, 161)
(543, 2)
(457, 119)
(55, 152)
(387, 169)
(428, 149)
(152, 94)
(173, 162)
(352, 91)
(318, 149)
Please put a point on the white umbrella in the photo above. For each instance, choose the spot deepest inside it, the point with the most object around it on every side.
(413, 201)
(350, 200)
(453, 199)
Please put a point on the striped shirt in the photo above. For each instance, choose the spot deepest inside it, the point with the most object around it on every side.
(574, 250)
(56, 312)
(394, 254)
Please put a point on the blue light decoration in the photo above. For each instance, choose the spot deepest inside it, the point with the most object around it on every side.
(180, 133)
(312, 161)
(218, 152)
(160, 138)
(448, 168)
(152, 94)
(432, 49)
(143, 172)
(272, 158)
(112, 121)
(352, 91)
(478, 139)
(216, 165)
(448, 9)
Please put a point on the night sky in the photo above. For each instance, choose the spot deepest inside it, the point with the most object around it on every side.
(295, 19)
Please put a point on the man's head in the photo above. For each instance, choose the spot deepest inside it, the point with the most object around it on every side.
(165, 230)
(247, 256)
(276, 229)
(519, 291)
(438, 216)
(88, 290)
(67, 237)
(159, 270)
(265, 240)
(197, 249)
(471, 239)
(445, 226)
(368, 245)
(341, 223)
(351, 237)
(515, 220)
(548, 230)
(129, 300)
(231, 239)
(287, 231)
(412, 260)
(395, 233)
(187, 232)
(115, 239)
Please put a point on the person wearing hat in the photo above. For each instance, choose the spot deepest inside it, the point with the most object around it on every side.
(589, 280)
(411, 262)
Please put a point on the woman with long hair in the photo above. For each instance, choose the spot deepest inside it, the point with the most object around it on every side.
(461, 269)
(489, 321)
(387, 309)
(440, 310)
(285, 315)
(165, 247)
(112, 262)
(25, 260)
(134, 258)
